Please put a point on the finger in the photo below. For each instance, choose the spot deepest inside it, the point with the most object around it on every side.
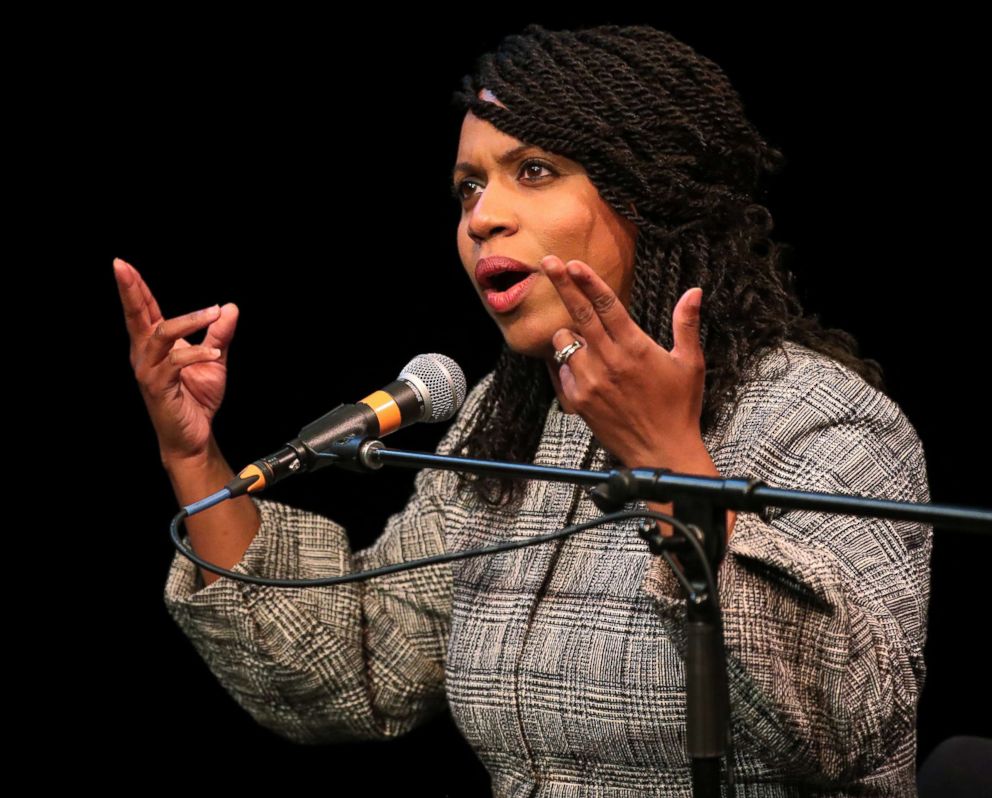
(154, 314)
(167, 374)
(132, 299)
(564, 337)
(184, 356)
(566, 376)
(686, 327)
(166, 332)
(612, 314)
(579, 307)
(221, 331)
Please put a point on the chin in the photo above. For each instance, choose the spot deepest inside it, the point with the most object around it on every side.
(527, 351)
(529, 330)
(537, 346)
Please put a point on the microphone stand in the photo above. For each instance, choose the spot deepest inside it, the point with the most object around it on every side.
(700, 503)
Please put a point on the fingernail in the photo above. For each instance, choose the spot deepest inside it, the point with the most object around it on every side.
(214, 352)
(574, 270)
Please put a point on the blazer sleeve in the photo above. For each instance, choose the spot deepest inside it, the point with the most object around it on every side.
(824, 615)
(360, 660)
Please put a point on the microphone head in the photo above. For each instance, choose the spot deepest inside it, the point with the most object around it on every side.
(440, 382)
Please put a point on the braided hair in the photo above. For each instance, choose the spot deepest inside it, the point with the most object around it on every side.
(663, 137)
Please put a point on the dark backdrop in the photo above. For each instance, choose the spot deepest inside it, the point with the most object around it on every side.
(300, 171)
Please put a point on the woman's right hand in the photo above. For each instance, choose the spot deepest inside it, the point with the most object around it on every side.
(182, 383)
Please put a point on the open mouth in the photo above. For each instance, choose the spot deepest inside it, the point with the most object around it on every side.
(505, 280)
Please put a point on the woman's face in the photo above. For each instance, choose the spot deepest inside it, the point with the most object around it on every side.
(525, 205)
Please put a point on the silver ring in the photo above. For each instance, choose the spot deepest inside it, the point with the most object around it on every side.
(562, 355)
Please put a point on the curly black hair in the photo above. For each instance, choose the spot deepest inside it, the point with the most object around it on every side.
(663, 136)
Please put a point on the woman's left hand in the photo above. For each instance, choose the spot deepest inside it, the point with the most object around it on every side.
(642, 402)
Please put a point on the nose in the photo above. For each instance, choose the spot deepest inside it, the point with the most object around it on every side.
(492, 213)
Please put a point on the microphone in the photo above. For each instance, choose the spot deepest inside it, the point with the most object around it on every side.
(429, 388)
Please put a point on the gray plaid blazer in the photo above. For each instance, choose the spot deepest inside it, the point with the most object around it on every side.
(563, 663)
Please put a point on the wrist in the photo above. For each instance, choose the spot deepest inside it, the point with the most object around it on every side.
(691, 458)
(204, 460)
(195, 476)
(688, 457)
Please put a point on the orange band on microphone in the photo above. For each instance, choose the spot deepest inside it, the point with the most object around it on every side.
(253, 471)
(385, 409)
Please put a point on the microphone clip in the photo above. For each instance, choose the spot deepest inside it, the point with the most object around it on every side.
(355, 453)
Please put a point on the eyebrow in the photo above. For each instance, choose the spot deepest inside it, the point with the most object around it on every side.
(502, 160)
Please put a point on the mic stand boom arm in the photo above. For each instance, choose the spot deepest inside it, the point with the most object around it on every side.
(700, 502)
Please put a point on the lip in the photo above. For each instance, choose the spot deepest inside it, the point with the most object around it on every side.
(503, 301)
(487, 268)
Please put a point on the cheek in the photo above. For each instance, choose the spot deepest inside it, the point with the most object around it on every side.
(612, 251)
(464, 246)
(571, 225)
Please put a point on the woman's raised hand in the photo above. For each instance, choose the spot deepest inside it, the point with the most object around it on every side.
(640, 400)
(182, 383)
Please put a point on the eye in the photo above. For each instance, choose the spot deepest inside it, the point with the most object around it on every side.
(458, 190)
(539, 164)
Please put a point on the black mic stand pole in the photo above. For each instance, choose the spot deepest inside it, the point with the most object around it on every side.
(707, 692)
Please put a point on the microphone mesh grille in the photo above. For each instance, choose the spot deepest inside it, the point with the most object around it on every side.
(444, 380)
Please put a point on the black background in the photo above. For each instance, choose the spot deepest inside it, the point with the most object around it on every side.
(301, 172)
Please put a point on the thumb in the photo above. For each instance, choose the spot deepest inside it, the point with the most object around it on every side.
(221, 331)
(685, 324)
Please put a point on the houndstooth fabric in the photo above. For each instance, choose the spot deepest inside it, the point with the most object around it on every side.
(563, 664)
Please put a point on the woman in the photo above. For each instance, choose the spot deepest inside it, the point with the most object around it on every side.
(563, 664)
